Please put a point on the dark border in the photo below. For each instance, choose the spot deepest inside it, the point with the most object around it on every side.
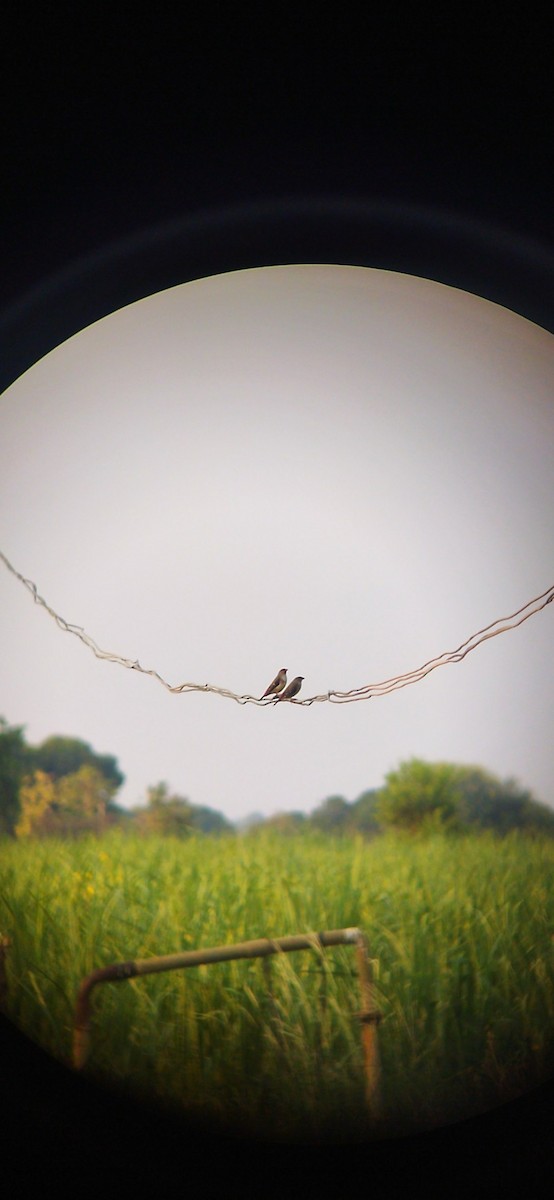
(56, 1125)
(507, 268)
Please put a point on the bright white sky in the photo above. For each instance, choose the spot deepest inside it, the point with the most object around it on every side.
(341, 470)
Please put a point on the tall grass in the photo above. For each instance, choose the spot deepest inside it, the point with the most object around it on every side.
(460, 931)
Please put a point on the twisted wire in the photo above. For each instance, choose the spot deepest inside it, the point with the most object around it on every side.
(365, 692)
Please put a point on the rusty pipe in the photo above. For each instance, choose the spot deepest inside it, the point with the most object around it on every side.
(260, 948)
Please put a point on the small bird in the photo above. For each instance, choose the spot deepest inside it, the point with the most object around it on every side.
(292, 689)
(277, 684)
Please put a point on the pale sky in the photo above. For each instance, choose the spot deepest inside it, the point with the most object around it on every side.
(342, 470)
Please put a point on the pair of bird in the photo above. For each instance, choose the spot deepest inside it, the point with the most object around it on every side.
(277, 686)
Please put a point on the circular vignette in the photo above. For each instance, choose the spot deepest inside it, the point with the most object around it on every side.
(508, 269)
(494, 263)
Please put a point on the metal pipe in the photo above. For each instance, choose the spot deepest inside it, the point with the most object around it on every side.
(369, 1018)
(5, 943)
(116, 972)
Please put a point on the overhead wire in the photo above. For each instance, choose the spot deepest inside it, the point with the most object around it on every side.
(366, 691)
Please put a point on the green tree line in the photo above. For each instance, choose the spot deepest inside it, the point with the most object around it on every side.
(64, 787)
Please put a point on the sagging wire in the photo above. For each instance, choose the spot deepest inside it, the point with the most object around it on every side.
(365, 692)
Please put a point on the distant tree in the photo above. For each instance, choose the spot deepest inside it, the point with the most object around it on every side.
(83, 799)
(486, 802)
(250, 823)
(68, 806)
(331, 816)
(14, 763)
(118, 815)
(208, 820)
(157, 795)
(164, 814)
(287, 822)
(37, 806)
(421, 795)
(60, 756)
(362, 815)
(418, 795)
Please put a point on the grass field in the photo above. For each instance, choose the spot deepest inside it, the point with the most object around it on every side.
(460, 931)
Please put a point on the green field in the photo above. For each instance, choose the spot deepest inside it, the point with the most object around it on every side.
(460, 932)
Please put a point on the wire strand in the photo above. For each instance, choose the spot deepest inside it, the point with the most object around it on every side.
(366, 692)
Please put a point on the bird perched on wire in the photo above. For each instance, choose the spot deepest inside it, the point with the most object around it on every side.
(277, 684)
(291, 690)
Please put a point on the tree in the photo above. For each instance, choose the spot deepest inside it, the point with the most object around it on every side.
(60, 756)
(421, 795)
(362, 817)
(57, 758)
(71, 805)
(164, 814)
(252, 821)
(14, 762)
(331, 816)
(37, 798)
(417, 795)
(83, 799)
(207, 820)
(486, 802)
(287, 822)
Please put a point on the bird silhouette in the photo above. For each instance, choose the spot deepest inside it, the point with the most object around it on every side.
(291, 690)
(277, 684)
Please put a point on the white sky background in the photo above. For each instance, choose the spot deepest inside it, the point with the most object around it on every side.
(341, 470)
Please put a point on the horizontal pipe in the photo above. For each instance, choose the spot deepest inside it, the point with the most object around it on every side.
(260, 948)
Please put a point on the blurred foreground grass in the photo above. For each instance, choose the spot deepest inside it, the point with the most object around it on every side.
(460, 931)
